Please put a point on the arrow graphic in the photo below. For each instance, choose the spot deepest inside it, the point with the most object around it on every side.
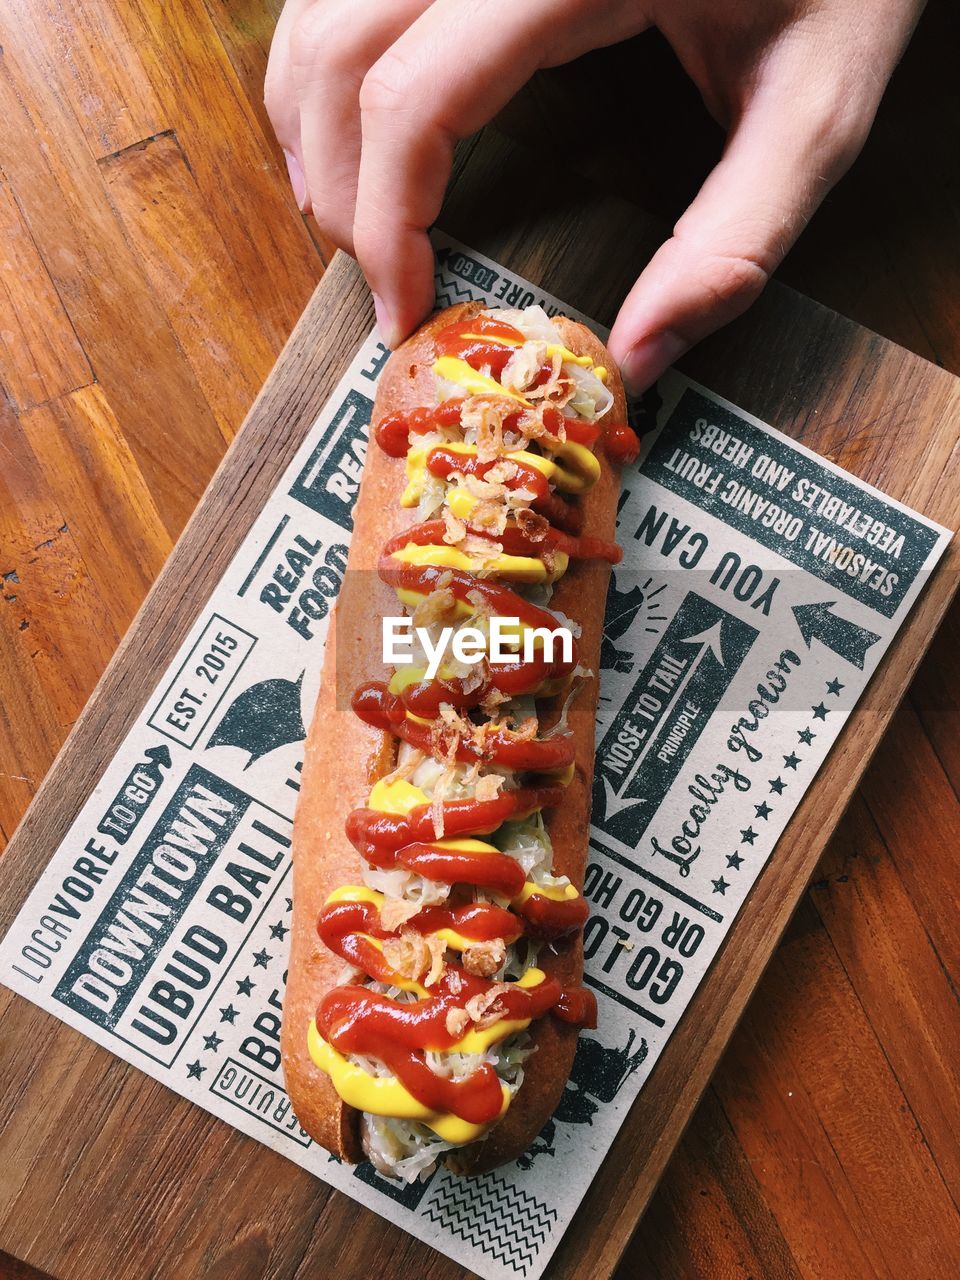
(709, 642)
(642, 750)
(842, 637)
(614, 803)
(710, 639)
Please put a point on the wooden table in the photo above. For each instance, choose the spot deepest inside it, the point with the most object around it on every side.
(155, 263)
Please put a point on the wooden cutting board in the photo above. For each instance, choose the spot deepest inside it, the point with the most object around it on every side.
(104, 1172)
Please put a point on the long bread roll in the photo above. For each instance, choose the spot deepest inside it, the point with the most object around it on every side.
(397, 1041)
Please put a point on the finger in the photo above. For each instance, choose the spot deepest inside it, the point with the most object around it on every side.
(280, 98)
(445, 77)
(333, 44)
(779, 163)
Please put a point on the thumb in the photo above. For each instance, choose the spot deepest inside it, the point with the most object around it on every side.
(779, 162)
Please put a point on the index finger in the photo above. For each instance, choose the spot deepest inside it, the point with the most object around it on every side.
(445, 77)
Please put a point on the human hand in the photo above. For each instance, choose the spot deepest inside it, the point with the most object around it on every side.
(368, 98)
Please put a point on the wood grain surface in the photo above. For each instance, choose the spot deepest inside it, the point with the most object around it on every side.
(133, 141)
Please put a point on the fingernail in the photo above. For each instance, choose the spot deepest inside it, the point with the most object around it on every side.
(388, 330)
(297, 180)
(645, 362)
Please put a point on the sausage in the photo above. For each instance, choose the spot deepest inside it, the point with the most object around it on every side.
(345, 756)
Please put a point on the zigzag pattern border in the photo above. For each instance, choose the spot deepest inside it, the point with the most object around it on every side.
(508, 1224)
(449, 290)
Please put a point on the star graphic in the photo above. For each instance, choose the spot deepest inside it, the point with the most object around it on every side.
(834, 686)
(212, 1041)
(289, 902)
(763, 810)
(245, 986)
(778, 785)
(194, 1070)
(720, 886)
(805, 736)
(279, 930)
(791, 761)
(820, 712)
(229, 1014)
(735, 861)
(748, 835)
(261, 959)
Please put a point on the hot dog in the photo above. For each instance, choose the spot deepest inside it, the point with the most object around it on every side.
(434, 991)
